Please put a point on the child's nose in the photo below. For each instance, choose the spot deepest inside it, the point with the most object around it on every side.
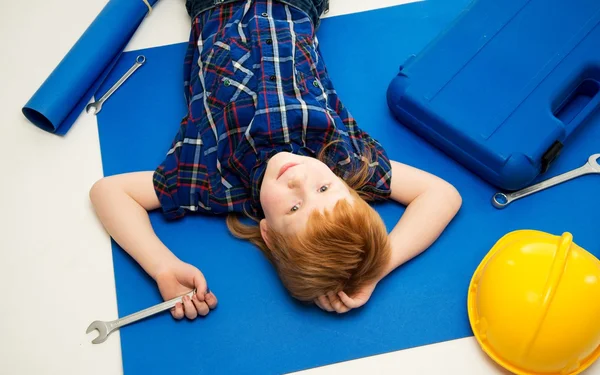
(296, 181)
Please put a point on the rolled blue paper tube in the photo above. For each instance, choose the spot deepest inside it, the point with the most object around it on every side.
(63, 95)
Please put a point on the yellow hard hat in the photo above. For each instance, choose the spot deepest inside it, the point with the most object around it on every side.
(534, 304)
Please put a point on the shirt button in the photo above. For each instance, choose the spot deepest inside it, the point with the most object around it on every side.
(316, 83)
(272, 78)
(227, 82)
(265, 15)
(269, 41)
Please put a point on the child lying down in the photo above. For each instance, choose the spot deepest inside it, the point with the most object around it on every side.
(267, 137)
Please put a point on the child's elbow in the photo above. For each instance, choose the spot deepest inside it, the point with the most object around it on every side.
(447, 197)
(99, 190)
(452, 198)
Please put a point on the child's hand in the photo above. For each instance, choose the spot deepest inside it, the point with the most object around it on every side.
(342, 303)
(180, 279)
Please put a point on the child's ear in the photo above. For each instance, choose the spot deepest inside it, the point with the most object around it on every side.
(264, 232)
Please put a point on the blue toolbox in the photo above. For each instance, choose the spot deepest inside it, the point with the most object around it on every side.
(503, 88)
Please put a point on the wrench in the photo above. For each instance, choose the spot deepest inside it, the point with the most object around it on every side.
(106, 328)
(97, 106)
(501, 200)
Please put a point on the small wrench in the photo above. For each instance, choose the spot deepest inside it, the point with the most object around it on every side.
(106, 328)
(97, 106)
(501, 200)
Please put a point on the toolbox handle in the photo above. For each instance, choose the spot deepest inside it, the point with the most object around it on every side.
(579, 105)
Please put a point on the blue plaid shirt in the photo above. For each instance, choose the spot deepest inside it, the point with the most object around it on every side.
(255, 85)
(314, 8)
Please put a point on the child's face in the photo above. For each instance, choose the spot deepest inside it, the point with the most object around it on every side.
(294, 186)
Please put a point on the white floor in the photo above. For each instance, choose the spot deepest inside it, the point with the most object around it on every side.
(56, 273)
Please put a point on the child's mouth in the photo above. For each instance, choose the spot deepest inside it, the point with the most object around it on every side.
(285, 168)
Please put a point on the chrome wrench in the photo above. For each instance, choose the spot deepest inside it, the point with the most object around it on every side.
(106, 328)
(97, 106)
(501, 200)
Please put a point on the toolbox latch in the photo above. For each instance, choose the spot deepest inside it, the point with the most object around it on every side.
(551, 154)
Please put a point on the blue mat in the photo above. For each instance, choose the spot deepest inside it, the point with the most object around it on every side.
(257, 328)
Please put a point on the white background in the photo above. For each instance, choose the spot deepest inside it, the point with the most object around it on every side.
(56, 273)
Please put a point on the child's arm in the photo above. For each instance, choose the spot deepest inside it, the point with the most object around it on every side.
(430, 202)
(121, 203)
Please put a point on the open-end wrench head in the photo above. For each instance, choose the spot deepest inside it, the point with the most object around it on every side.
(593, 161)
(102, 329)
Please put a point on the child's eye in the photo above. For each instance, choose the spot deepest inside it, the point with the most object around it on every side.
(295, 208)
(323, 188)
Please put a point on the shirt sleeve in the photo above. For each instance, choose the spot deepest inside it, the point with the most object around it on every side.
(181, 181)
(378, 186)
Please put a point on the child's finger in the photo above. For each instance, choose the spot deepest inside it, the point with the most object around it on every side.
(338, 305)
(320, 305)
(201, 307)
(199, 283)
(347, 300)
(325, 303)
(211, 300)
(178, 311)
(190, 309)
(332, 297)
(316, 302)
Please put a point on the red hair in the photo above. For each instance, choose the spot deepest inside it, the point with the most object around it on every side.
(341, 249)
